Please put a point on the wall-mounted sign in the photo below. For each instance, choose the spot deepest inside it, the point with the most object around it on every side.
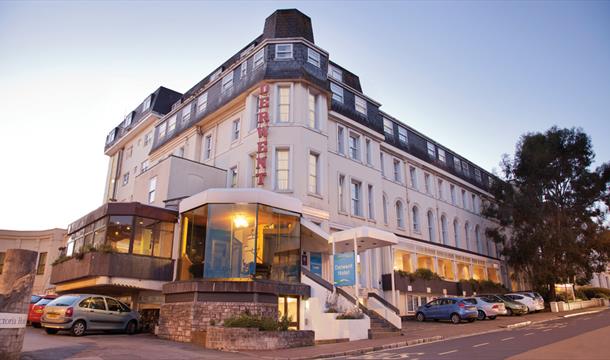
(345, 269)
(262, 129)
(13, 321)
(316, 263)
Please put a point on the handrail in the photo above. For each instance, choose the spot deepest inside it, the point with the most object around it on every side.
(317, 279)
(384, 302)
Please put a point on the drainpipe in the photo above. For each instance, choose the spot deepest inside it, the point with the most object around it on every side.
(356, 269)
(392, 275)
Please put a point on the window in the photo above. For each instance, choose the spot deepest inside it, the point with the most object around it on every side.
(464, 199)
(452, 191)
(477, 237)
(457, 165)
(313, 173)
(283, 51)
(146, 104)
(281, 169)
(465, 168)
(152, 188)
(341, 192)
(207, 147)
(368, 150)
(313, 57)
(335, 73)
(259, 58)
(456, 232)
(473, 203)
(283, 104)
(381, 164)
(444, 231)
(313, 111)
(431, 230)
(235, 130)
(397, 176)
(385, 209)
(415, 214)
(243, 70)
(341, 140)
(413, 174)
(400, 215)
(388, 126)
(402, 135)
(431, 150)
(428, 183)
(477, 175)
(128, 119)
(227, 82)
(186, 113)
(110, 137)
(233, 177)
(441, 193)
(147, 138)
(129, 152)
(42, 262)
(354, 146)
(162, 129)
(171, 124)
(371, 201)
(202, 102)
(360, 105)
(356, 192)
(215, 75)
(126, 178)
(144, 165)
(337, 92)
(113, 305)
(467, 235)
(441, 155)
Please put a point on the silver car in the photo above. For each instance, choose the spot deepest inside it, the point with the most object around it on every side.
(82, 312)
(487, 307)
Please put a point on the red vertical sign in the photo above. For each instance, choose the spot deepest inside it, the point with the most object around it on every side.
(262, 129)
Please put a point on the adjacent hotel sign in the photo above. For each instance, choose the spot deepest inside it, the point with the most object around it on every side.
(263, 130)
(12, 320)
(345, 269)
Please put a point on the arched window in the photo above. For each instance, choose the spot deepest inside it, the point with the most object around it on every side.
(430, 217)
(400, 216)
(444, 233)
(477, 236)
(467, 235)
(490, 250)
(385, 209)
(456, 232)
(415, 214)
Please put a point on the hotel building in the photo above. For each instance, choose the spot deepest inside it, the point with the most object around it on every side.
(242, 188)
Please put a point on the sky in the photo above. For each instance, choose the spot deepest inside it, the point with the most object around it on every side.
(474, 76)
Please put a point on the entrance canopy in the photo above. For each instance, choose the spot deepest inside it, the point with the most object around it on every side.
(366, 238)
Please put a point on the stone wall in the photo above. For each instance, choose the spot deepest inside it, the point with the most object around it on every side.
(185, 321)
(221, 338)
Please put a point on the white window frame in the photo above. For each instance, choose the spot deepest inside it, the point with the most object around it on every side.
(354, 153)
(186, 113)
(368, 149)
(277, 169)
(341, 139)
(335, 73)
(428, 183)
(413, 176)
(388, 126)
(152, 189)
(416, 220)
(382, 163)
(258, 59)
(147, 103)
(202, 102)
(171, 124)
(312, 112)
(396, 166)
(235, 129)
(399, 208)
(337, 92)
(431, 149)
(280, 104)
(441, 155)
(457, 164)
(356, 197)
(403, 138)
(441, 192)
(227, 82)
(384, 200)
(128, 119)
(313, 57)
(243, 70)
(360, 105)
(283, 51)
(477, 175)
(453, 194)
(341, 192)
(313, 184)
(162, 130)
(207, 147)
(233, 177)
(370, 202)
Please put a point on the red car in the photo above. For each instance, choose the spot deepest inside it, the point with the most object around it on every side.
(37, 307)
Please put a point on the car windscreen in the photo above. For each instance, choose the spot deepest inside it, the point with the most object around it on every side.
(34, 299)
(65, 300)
(44, 301)
(470, 301)
(505, 298)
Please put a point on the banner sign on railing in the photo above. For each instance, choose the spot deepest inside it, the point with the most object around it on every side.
(345, 269)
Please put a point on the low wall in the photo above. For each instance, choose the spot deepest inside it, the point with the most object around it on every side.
(575, 305)
(221, 338)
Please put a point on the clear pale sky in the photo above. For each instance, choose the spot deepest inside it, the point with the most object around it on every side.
(472, 75)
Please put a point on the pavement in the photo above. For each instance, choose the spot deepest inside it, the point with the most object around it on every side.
(39, 345)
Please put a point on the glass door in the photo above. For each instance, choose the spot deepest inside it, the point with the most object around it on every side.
(288, 306)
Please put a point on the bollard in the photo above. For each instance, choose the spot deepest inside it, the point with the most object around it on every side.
(16, 284)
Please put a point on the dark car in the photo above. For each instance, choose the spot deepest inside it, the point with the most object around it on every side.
(454, 309)
(36, 311)
(512, 307)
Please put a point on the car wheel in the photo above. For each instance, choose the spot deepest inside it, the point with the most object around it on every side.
(78, 328)
(509, 312)
(492, 317)
(481, 315)
(455, 318)
(51, 331)
(471, 320)
(131, 327)
(420, 317)
(36, 325)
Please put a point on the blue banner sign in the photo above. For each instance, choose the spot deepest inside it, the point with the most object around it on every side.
(345, 269)
(315, 260)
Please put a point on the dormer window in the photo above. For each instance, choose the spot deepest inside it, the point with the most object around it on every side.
(360, 105)
(227, 82)
(128, 119)
(441, 155)
(186, 113)
(313, 57)
(259, 58)
(457, 164)
(335, 73)
(216, 74)
(431, 150)
(388, 126)
(202, 102)
(477, 175)
(146, 104)
(283, 51)
(110, 137)
(402, 135)
(337, 92)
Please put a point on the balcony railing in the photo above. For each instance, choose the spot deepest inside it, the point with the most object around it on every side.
(113, 264)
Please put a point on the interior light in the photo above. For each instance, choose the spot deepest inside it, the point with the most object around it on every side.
(240, 221)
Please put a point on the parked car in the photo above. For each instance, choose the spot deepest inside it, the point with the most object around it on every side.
(454, 309)
(79, 313)
(532, 304)
(36, 311)
(537, 298)
(33, 300)
(487, 307)
(512, 307)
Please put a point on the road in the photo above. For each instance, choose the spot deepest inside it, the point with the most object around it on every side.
(580, 337)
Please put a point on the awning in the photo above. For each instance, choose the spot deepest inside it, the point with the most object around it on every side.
(366, 237)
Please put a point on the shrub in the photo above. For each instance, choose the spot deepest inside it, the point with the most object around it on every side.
(60, 259)
(354, 313)
(426, 274)
(592, 292)
(580, 294)
(331, 303)
(262, 323)
(105, 248)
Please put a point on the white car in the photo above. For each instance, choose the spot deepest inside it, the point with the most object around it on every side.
(532, 302)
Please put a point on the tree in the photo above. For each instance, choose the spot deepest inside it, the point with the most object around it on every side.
(551, 209)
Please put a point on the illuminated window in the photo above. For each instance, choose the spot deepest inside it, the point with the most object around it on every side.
(283, 104)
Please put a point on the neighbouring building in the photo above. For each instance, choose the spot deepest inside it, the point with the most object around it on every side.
(46, 243)
(236, 194)
(601, 279)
